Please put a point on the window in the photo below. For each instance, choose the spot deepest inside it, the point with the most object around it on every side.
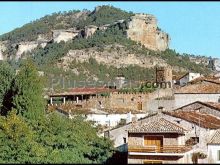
(124, 138)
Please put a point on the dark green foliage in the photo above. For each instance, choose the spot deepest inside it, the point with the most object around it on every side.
(30, 31)
(28, 135)
(28, 99)
(105, 15)
(7, 75)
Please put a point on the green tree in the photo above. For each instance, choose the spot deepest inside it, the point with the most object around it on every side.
(28, 99)
(7, 75)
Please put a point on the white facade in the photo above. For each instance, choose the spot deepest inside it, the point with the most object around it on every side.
(214, 153)
(188, 77)
(182, 99)
(113, 120)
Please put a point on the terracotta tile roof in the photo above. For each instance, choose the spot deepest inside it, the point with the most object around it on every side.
(207, 78)
(158, 125)
(199, 88)
(215, 138)
(84, 91)
(180, 77)
(203, 119)
(213, 105)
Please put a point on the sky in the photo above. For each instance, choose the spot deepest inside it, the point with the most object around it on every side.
(194, 27)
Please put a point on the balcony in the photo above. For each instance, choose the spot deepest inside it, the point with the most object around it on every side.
(162, 150)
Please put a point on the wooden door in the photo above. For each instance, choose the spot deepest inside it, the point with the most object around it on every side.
(154, 141)
(139, 105)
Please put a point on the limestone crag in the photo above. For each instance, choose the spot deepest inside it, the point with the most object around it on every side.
(2, 49)
(64, 35)
(24, 47)
(118, 57)
(89, 30)
(143, 28)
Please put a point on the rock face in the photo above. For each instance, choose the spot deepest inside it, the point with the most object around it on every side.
(1, 56)
(143, 28)
(64, 35)
(90, 30)
(118, 57)
(25, 47)
(215, 64)
(2, 49)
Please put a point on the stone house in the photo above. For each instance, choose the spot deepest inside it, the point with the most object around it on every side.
(199, 119)
(156, 141)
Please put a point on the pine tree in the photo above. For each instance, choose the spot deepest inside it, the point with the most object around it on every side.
(7, 75)
(29, 100)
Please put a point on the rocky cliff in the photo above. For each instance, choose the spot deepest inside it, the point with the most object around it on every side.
(64, 35)
(115, 55)
(2, 49)
(143, 28)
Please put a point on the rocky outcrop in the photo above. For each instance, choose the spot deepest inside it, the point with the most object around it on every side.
(25, 47)
(214, 64)
(117, 56)
(2, 49)
(143, 29)
(64, 35)
(1, 56)
(89, 30)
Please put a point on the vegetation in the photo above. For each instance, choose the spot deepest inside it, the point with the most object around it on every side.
(47, 58)
(29, 135)
(65, 20)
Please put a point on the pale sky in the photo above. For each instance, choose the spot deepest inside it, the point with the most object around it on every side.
(194, 27)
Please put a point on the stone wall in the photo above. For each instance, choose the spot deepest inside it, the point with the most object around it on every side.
(133, 101)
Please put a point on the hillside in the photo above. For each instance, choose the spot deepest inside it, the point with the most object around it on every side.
(97, 44)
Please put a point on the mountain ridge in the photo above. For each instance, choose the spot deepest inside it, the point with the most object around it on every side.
(56, 35)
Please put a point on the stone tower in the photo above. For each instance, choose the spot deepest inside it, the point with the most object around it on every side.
(164, 74)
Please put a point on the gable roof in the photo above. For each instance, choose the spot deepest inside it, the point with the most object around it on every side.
(207, 78)
(213, 105)
(199, 89)
(201, 119)
(157, 125)
(215, 138)
(183, 75)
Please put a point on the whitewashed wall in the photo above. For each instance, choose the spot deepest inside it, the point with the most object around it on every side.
(213, 153)
(112, 119)
(184, 99)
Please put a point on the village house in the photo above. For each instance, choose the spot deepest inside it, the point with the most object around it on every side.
(188, 77)
(156, 141)
(214, 148)
(107, 118)
(201, 90)
(198, 121)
